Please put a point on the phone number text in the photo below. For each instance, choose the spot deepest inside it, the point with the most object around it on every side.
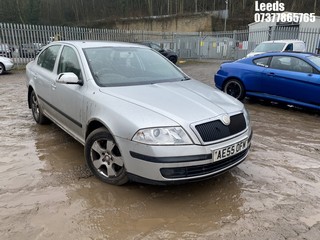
(284, 17)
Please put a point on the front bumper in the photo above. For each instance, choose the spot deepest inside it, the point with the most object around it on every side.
(8, 65)
(176, 164)
(218, 80)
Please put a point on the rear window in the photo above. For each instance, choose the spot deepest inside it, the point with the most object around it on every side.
(262, 62)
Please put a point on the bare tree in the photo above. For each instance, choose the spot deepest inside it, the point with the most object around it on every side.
(19, 8)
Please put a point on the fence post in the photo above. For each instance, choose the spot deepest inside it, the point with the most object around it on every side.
(1, 36)
(271, 33)
(318, 41)
(199, 45)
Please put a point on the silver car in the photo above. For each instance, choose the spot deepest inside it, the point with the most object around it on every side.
(139, 117)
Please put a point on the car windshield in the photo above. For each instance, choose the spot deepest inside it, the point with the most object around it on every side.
(315, 60)
(122, 66)
(156, 47)
(268, 47)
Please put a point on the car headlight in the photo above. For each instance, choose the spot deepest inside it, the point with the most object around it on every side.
(162, 136)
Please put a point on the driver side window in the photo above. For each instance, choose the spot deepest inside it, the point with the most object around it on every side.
(69, 62)
(291, 64)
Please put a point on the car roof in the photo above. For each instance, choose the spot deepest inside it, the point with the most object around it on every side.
(283, 41)
(94, 44)
(291, 53)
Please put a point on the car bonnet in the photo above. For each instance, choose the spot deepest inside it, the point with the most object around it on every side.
(184, 102)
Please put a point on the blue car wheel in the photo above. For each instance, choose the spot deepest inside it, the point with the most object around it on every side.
(234, 88)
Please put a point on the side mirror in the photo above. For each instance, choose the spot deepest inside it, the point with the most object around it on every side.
(69, 78)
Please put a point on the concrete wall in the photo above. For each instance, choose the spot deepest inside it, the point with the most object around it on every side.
(190, 23)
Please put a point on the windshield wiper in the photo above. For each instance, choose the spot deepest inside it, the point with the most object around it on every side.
(185, 78)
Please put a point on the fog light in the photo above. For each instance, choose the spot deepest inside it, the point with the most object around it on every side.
(173, 172)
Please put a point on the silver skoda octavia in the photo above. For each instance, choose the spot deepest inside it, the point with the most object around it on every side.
(139, 117)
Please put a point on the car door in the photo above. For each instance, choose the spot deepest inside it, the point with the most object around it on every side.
(291, 77)
(253, 75)
(67, 98)
(44, 75)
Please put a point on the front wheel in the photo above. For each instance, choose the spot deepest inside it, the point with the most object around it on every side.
(104, 159)
(2, 69)
(234, 88)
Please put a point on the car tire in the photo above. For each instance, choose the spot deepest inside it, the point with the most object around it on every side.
(235, 88)
(37, 114)
(2, 69)
(173, 59)
(103, 157)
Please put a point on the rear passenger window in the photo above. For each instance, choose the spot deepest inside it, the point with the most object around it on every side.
(48, 57)
(263, 62)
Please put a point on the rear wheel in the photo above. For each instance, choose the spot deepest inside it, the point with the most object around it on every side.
(173, 59)
(234, 88)
(104, 158)
(36, 110)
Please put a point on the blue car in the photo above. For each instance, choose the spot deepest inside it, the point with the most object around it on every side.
(287, 77)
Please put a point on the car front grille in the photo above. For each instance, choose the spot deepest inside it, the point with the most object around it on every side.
(215, 130)
(215, 167)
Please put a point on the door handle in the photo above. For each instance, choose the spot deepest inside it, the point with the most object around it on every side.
(53, 86)
(271, 74)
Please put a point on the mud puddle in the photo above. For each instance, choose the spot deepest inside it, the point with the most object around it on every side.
(46, 191)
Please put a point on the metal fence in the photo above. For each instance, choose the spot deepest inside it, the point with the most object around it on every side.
(22, 42)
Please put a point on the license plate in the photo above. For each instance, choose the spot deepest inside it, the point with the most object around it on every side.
(229, 151)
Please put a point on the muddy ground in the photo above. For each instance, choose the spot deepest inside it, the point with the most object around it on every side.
(46, 192)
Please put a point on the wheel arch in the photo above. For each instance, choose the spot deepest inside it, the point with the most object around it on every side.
(3, 66)
(233, 77)
(30, 89)
(95, 124)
